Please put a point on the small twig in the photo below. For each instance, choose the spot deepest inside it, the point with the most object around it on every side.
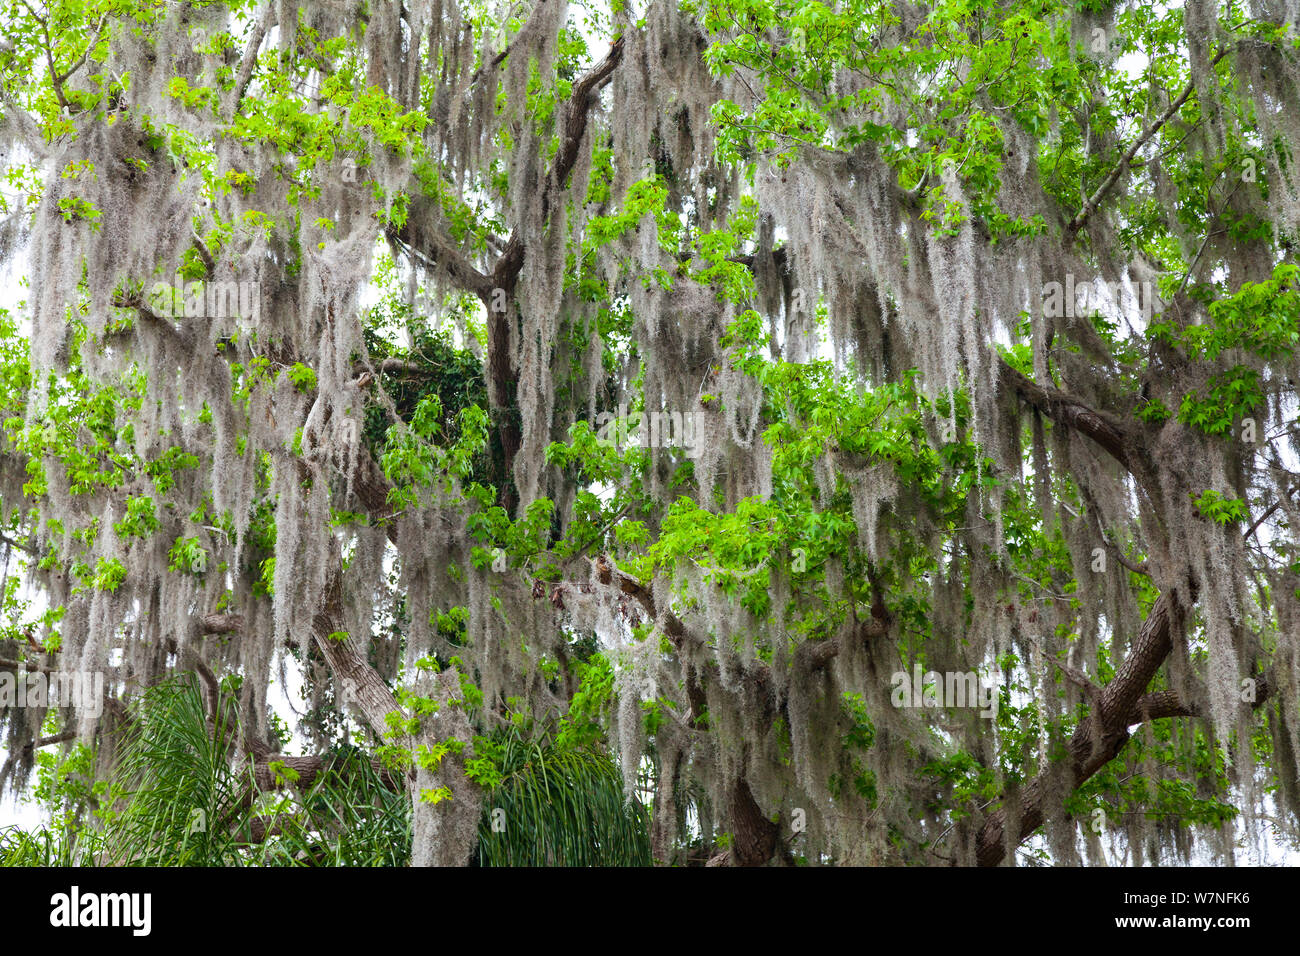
(66, 74)
(1268, 513)
(49, 54)
(1077, 677)
(5, 539)
(58, 738)
(1107, 184)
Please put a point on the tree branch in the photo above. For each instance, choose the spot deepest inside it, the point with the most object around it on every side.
(1167, 703)
(249, 60)
(389, 366)
(267, 778)
(606, 573)
(5, 539)
(67, 74)
(53, 739)
(1107, 184)
(15, 665)
(435, 250)
(222, 624)
(1097, 740)
(49, 54)
(363, 684)
(575, 127)
(1065, 410)
(1267, 513)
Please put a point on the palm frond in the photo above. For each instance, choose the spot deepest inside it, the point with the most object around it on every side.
(560, 807)
(180, 797)
(183, 798)
(44, 848)
(349, 817)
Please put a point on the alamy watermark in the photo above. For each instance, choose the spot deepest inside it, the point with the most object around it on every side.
(1073, 299)
(83, 690)
(947, 689)
(77, 909)
(207, 300)
(658, 429)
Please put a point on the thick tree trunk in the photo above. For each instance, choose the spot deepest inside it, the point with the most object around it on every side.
(446, 803)
(753, 836)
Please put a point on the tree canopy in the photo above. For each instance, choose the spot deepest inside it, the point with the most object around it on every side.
(729, 431)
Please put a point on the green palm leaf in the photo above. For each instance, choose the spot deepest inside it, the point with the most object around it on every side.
(558, 806)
